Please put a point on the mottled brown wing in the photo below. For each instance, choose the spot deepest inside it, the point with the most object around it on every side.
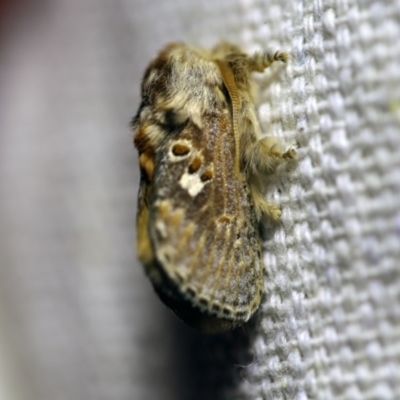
(202, 223)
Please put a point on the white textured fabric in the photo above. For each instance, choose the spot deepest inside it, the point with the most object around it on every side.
(78, 319)
(330, 320)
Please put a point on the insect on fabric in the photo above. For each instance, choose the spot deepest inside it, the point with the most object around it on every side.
(201, 196)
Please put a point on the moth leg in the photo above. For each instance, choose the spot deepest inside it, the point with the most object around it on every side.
(260, 61)
(263, 207)
(263, 157)
(266, 154)
(242, 64)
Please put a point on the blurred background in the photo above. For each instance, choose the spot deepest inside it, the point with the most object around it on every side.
(78, 318)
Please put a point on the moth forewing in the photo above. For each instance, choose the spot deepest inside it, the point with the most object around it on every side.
(200, 201)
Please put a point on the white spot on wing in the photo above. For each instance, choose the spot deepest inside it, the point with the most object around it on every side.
(192, 183)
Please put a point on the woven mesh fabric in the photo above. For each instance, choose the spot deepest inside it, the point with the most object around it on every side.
(78, 319)
(330, 320)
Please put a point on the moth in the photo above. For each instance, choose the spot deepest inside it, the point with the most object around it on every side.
(203, 165)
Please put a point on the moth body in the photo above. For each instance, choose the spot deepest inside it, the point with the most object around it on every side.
(200, 202)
